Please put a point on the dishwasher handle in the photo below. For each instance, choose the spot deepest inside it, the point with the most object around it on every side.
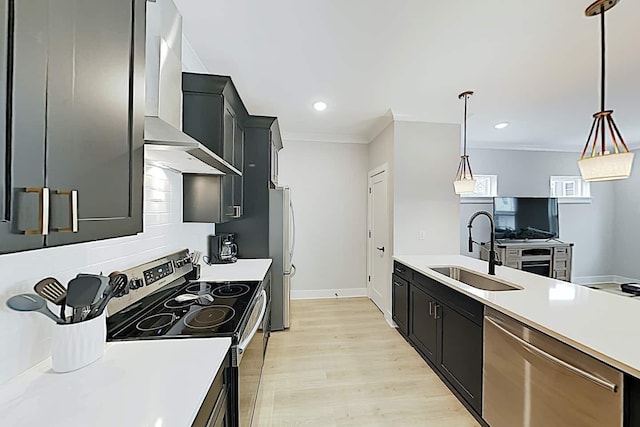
(533, 349)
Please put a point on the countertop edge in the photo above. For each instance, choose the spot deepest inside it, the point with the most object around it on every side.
(465, 289)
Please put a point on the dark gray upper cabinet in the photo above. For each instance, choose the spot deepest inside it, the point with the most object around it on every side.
(214, 114)
(252, 230)
(76, 122)
(25, 45)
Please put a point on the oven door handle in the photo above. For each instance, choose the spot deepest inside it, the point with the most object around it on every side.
(245, 342)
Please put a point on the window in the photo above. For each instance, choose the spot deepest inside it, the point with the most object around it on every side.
(567, 188)
(486, 186)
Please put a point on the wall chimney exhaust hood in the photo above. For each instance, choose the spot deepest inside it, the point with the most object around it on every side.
(165, 143)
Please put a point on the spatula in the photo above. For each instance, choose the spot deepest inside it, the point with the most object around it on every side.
(32, 302)
(81, 293)
(52, 290)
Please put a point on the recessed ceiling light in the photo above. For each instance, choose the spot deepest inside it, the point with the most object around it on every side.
(501, 125)
(320, 106)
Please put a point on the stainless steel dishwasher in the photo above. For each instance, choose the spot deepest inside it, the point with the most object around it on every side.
(533, 380)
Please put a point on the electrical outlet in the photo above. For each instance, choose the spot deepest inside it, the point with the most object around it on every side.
(421, 235)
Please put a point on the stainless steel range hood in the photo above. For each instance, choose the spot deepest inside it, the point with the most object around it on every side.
(166, 145)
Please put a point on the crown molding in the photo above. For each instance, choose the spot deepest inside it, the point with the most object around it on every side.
(417, 118)
(324, 137)
(525, 147)
(379, 126)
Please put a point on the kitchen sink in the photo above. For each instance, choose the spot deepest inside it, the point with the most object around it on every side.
(475, 280)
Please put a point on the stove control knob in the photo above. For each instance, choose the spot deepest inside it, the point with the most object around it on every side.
(136, 284)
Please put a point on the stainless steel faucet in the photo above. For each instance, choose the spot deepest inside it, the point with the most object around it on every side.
(493, 260)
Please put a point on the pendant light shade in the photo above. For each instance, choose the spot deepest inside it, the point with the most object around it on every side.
(464, 181)
(598, 163)
(607, 167)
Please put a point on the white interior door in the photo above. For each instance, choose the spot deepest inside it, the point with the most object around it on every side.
(378, 241)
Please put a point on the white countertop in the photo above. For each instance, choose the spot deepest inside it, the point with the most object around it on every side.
(158, 383)
(243, 269)
(598, 323)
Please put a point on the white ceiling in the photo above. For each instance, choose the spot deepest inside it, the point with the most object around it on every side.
(534, 64)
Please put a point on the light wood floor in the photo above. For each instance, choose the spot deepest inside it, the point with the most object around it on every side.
(341, 364)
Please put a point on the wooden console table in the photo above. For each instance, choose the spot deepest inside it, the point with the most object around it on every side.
(546, 258)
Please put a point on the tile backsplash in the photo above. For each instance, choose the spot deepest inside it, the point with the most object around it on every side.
(26, 337)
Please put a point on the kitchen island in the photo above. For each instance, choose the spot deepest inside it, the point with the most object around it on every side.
(512, 342)
(597, 323)
(156, 383)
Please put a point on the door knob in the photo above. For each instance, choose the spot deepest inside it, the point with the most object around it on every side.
(380, 248)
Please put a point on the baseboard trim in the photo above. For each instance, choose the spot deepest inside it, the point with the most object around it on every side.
(591, 280)
(329, 293)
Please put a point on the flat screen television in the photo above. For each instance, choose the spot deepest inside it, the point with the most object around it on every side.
(525, 217)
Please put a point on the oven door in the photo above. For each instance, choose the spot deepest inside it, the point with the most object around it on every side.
(250, 360)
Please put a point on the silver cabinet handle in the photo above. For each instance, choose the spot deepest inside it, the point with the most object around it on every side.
(43, 211)
(398, 284)
(430, 308)
(73, 211)
(533, 349)
(236, 212)
(435, 311)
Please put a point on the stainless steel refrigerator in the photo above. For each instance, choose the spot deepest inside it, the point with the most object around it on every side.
(282, 237)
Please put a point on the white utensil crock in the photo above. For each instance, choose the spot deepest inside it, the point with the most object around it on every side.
(76, 345)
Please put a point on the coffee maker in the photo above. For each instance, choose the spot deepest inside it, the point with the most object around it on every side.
(222, 249)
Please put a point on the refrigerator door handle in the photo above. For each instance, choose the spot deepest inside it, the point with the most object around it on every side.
(293, 230)
(291, 272)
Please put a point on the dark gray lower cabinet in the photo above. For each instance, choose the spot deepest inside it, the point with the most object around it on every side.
(400, 309)
(460, 354)
(445, 327)
(423, 330)
(631, 401)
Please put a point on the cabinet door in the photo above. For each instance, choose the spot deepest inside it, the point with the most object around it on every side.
(238, 162)
(460, 354)
(274, 161)
(23, 67)
(229, 129)
(400, 308)
(95, 119)
(423, 327)
(201, 119)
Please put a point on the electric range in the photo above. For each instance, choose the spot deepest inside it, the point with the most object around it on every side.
(164, 301)
(221, 310)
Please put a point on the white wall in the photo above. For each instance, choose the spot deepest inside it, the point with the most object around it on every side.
(426, 158)
(526, 174)
(191, 62)
(626, 221)
(329, 191)
(26, 337)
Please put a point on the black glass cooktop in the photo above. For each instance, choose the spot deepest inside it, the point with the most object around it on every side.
(219, 310)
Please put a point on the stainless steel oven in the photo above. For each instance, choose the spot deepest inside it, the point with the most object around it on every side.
(249, 359)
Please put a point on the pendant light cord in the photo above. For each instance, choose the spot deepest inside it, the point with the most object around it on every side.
(602, 58)
(465, 124)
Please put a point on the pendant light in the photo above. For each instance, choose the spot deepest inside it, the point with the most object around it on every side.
(464, 182)
(597, 162)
